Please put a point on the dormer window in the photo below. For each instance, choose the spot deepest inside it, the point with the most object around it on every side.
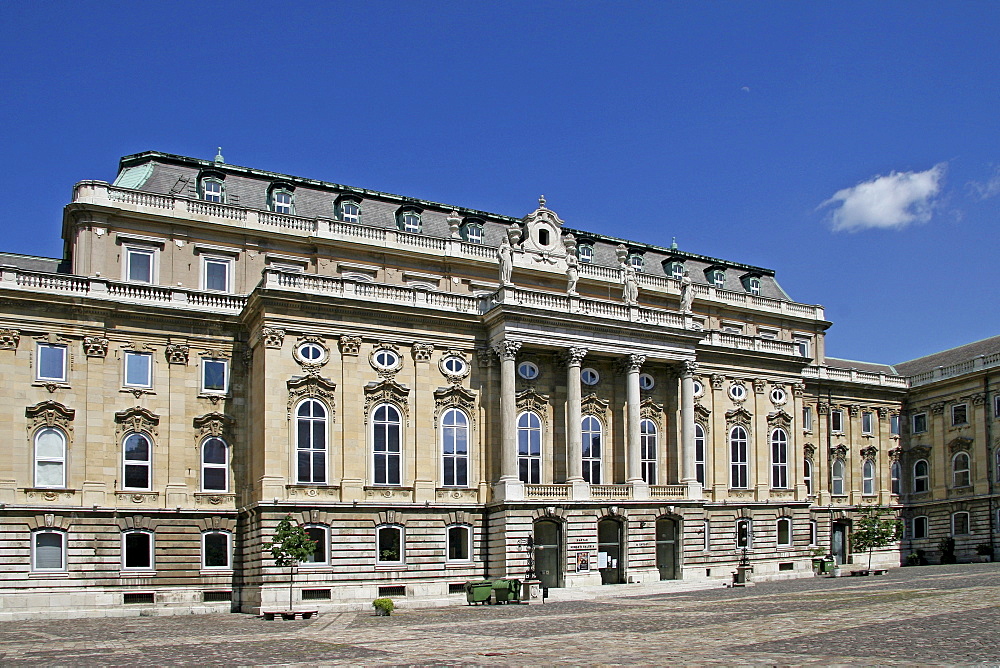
(544, 238)
(674, 269)
(636, 261)
(472, 231)
(409, 221)
(282, 200)
(716, 277)
(751, 284)
(212, 190)
(349, 211)
(585, 252)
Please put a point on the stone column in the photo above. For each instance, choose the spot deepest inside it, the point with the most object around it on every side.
(688, 475)
(574, 416)
(507, 352)
(633, 466)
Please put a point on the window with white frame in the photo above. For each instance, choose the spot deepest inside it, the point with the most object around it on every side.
(282, 202)
(807, 418)
(744, 533)
(590, 376)
(802, 346)
(51, 363)
(648, 450)
(894, 425)
(996, 467)
(779, 459)
(527, 370)
(960, 470)
(837, 421)
(386, 359)
(813, 532)
(959, 414)
(675, 269)
(784, 532)
(807, 475)
(409, 221)
(778, 395)
(529, 448)
(389, 545)
(646, 382)
(894, 478)
(455, 448)
(921, 476)
(138, 369)
(212, 190)
(137, 550)
(636, 261)
(868, 477)
(919, 423)
(706, 535)
(214, 376)
(586, 254)
(717, 277)
(48, 551)
(140, 264)
(960, 524)
(996, 406)
(591, 428)
(738, 391)
(320, 537)
(739, 464)
(918, 527)
(837, 477)
(214, 465)
(50, 458)
(349, 211)
(216, 273)
(752, 285)
(310, 442)
(699, 453)
(459, 542)
(472, 232)
(137, 454)
(216, 550)
(867, 423)
(387, 445)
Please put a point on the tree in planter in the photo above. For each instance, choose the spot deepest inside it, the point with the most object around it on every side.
(876, 527)
(290, 546)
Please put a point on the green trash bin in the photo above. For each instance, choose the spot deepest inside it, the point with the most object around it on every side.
(507, 591)
(478, 591)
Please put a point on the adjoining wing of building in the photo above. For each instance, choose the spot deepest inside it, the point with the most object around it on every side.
(438, 395)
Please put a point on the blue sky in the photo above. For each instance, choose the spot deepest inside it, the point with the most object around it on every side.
(852, 147)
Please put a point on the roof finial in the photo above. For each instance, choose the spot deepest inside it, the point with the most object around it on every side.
(673, 244)
(541, 201)
(218, 157)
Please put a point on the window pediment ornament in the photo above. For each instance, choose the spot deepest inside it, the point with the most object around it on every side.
(213, 424)
(312, 387)
(895, 454)
(387, 391)
(422, 351)
(960, 444)
(759, 385)
(454, 396)
(702, 415)
(95, 346)
(594, 405)
(50, 414)
(718, 381)
(918, 452)
(177, 353)
(531, 400)
(9, 338)
(273, 337)
(779, 418)
(937, 408)
(738, 416)
(823, 408)
(350, 345)
(869, 452)
(838, 452)
(137, 419)
(809, 450)
(542, 234)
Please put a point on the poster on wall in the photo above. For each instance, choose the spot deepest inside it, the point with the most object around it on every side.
(583, 562)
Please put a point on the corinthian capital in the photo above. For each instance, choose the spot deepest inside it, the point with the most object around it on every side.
(689, 368)
(634, 362)
(507, 350)
(574, 356)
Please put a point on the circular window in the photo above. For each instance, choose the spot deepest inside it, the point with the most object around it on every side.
(699, 388)
(385, 359)
(527, 370)
(738, 392)
(646, 381)
(454, 365)
(590, 377)
(778, 395)
(311, 352)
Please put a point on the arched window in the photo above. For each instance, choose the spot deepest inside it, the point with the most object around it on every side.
(409, 221)
(213, 190)
(837, 477)
(699, 453)
(529, 448)
(960, 524)
(647, 447)
(779, 459)
(455, 448)
(921, 477)
(586, 253)
(349, 211)
(389, 545)
(387, 442)
(739, 474)
(320, 535)
(591, 428)
(894, 475)
(310, 442)
(868, 477)
(472, 231)
(459, 542)
(744, 533)
(784, 530)
(48, 550)
(214, 465)
(282, 202)
(50, 458)
(216, 550)
(919, 527)
(960, 469)
(137, 453)
(137, 550)
(807, 475)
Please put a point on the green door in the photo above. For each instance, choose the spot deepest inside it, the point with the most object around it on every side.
(666, 548)
(548, 553)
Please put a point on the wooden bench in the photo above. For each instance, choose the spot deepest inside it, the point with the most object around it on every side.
(873, 571)
(270, 615)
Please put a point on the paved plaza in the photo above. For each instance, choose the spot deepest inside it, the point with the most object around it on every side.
(942, 615)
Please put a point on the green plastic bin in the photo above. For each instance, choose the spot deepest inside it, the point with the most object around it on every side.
(507, 591)
(478, 591)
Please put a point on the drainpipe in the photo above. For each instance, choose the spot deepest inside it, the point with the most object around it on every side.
(990, 458)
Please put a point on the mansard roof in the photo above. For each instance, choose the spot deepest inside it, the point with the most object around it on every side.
(870, 367)
(951, 356)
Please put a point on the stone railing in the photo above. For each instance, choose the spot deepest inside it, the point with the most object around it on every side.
(952, 370)
(611, 491)
(667, 491)
(751, 343)
(544, 492)
(855, 376)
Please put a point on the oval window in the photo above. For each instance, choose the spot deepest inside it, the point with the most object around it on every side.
(527, 370)
(385, 359)
(778, 395)
(737, 391)
(453, 365)
(646, 381)
(311, 352)
(590, 377)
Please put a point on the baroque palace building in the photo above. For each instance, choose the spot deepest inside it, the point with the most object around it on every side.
(438, 395)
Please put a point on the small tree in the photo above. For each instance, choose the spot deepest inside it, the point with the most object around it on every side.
(876, 527)
(290, 546)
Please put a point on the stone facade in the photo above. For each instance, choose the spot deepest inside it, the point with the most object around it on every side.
(438, 394)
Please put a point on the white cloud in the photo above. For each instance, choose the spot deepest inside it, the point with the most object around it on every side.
(986, 190)
(893, 201)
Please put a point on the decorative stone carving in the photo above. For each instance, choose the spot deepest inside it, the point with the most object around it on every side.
(455, 225)
(454, 396)
(177, 353)
(853, 410)
(136, 419)
(213, 424)
(918, 452)
(650, 410)
(9, 338)
(759, 385)
(798, 389)
(869, 452)
(883, 412)
(574, 356)
(779, 418)
(838, 452)
(634, 362)
(594, 405)
(718, 381)
(49, 414)
(809, 450)
(484, 355)
(387, 391)
(738, 416)
(350, 345)
(312, 387)
(572, 272)
(689, 368)
(507, 349)
(505, 260)
(960, 444)
(273, 337)
(453, 377)
(687, 292)
(530, 400)
(895, 454)
(95, 346)
(937, 408)
(422, 352)
(823, 408)
(978, 399)
(514, 234)
(702, 416)
(630, 286)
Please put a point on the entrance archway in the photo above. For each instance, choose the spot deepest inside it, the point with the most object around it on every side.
(548, 553)
(667, 549)
(610, 551)
(838, 541)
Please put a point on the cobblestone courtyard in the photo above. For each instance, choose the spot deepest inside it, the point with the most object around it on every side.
(925, 615)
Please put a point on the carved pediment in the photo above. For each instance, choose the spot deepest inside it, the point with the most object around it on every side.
(869, 453)
(960, 443)
(779, 418)
(702, 415)
(543, 234)
(387, 391)
(838, 452)
(49, 414)
(740, 416)
(809, 450)
(650, 410)
(213, 424)
(531, 400)
(593, 405)
(895, 454)
(453, 396)
(312, 387)
(918, 452)
(136, 419)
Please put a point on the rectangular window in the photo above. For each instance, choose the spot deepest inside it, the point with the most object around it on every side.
(959, 414)
(215, 551)
(813, 538)
(138, 369)
(837, 420)
(784, 532)
(389, 545)
(214, 376)
(51, 363)
(137, 550)
(807, 418)
(960, 524)
(319, 556)
(867, 423)
(920, 423)
(919, 528)
(802, 346)
(706, 531)
(139, 264)
(216, 274)
(894, 425)
(586, 254)
(48, 551)
(459, 539)
(996, 406)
